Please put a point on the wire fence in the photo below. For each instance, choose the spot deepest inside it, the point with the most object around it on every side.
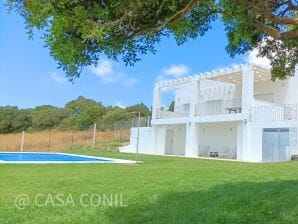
(57, 140)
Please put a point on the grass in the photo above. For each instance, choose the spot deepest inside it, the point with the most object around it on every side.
(161, 190)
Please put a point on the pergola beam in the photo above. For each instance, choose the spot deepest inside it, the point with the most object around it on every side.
(234, 69)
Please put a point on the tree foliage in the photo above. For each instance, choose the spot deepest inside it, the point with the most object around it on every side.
(172, 106)
(46, 117)
(13, 119)
(77, 32)
(79, 114)
(116, 114)
(142, 108)
(82, 113)
(269, 25)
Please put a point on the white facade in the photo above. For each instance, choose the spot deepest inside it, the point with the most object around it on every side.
(230, 113)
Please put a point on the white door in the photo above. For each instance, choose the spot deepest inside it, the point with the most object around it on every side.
(284, 144)
(169, 141)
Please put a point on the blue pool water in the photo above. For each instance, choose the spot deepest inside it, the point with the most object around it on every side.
(48, 157)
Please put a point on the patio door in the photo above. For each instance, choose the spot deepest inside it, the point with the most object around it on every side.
(169, 141)
(276, 142)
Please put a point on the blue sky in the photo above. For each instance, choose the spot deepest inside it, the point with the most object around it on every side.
(29, 76)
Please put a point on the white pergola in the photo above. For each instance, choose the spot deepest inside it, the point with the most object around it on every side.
(232, 74)
(244, 75)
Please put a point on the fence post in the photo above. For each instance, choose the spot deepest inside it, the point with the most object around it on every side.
(22, 141)
(49, 142)
(148, 121)
(114, 135)
(94, 136)
(120, 128)
(71, 140)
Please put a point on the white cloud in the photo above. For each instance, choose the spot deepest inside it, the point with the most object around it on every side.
(104, 70)
(119, 104)
(176, 71)
(108, 73)
(130, 81)
(253, 58)
(173, 72)
(58, 78)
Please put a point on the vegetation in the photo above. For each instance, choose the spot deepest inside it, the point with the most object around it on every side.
(79, 32)
(53, 140)
(78, 114)
(161, 190)
(172, 106)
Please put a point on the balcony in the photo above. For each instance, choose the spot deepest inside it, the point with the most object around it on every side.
(177, 111)
(283, 112)
(218, 107)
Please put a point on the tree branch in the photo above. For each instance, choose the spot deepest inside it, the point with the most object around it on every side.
(266, 13)
(178, 15)
(160, 7)
(276, 34)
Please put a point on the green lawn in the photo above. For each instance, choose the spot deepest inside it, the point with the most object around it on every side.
(161, 190)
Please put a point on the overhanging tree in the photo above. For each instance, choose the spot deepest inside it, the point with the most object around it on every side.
(78, 32)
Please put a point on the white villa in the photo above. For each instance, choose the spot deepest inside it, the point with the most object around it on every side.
(233, 113)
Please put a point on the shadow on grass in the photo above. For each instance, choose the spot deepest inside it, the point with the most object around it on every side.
(244, 202)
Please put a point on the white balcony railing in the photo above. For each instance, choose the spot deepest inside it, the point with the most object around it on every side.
(284, 112)
(177, 111)
(217, 107)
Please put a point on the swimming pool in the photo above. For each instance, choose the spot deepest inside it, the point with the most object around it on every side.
(44, 158)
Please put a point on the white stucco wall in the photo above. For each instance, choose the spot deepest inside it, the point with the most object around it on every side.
(144, 141)
(291, 95)
(182, 96)
(282, 91)
(158, 139)
(178, 141)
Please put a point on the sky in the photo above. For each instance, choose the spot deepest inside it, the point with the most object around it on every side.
(29, 75)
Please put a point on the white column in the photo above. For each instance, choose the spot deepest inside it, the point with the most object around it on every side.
(194, 97)
(156, 101)
(247, 88)
(244, 143)
(240, 141)
(191, 144)
(247, 103)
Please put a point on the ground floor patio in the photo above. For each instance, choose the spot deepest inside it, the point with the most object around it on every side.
(237, 140)
(210, 140)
